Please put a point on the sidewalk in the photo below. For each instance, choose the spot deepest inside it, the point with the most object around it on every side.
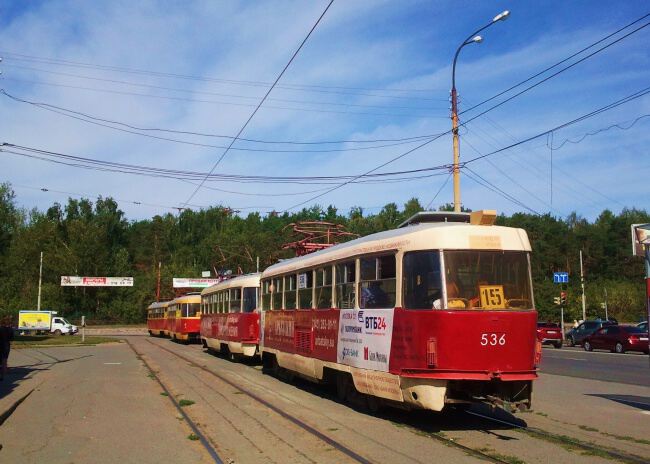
(89, 404)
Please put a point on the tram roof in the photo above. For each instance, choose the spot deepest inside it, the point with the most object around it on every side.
(190, 298)
(158, 304)
(246, 280)
(422, 236)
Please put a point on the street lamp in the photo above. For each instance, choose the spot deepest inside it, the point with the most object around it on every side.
(473, 38)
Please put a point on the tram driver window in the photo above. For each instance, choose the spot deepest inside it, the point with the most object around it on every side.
(422, 283)
(377, 283)
(250, 299)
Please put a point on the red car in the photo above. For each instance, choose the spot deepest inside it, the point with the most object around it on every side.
(618, 338)
(549, 333)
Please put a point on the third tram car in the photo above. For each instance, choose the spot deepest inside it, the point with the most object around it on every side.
(230, 322)
(435, 312)
(184, 317)
(157, 318)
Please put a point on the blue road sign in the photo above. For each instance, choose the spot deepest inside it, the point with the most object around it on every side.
(560, 277)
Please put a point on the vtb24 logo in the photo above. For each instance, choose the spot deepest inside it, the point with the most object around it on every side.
(372, 322)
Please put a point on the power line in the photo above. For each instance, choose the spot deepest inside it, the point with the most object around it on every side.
(85, 162)
(562, 61)
(489, 185)
(298, 87)
(554, 74)
(197, 100)
(131, 129)
(439, 190)
(627, 99)
(262, 101)
(604, 129)
(217, 94)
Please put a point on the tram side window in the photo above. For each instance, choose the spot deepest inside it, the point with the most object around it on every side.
(422, 281)
(305, 288)
(377, 283)
(249, 297)
(226, 301)
(193, 309)
(235, 300)
(345, 280)
(276, 293)
(324, 288)
(290, 291)
(266, 295)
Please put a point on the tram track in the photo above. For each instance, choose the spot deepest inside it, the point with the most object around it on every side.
(565, 440)
(291, 418)
(449, 442)
(188, 420)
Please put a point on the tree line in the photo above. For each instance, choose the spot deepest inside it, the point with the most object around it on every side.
(89, 238)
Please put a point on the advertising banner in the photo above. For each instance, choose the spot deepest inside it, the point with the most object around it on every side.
(38, 320)
(183, 282)
(76, 281)
(365, 338)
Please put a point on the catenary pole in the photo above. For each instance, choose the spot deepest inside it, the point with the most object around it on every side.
(582, 284)
(40, 279)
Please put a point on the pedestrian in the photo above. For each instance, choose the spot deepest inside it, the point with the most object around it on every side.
(6, 335)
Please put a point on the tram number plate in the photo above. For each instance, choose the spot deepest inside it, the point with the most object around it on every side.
(493, 339)
(492, 296)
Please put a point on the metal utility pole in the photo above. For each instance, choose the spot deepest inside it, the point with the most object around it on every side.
(40, 279)
(606, 315)
(158, 284)
(473, 38)
(258, 264)
(582, 283)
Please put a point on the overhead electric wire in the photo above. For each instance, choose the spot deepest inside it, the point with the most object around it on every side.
(214, 102)
(217, 94)
(563, 61)
(604, 129)
(43, 105)
(214, 166)
(95, 121)
(553, 75)
(486, 183)
(295, 87)
(183, 174)
(439, 190)
(627, 99)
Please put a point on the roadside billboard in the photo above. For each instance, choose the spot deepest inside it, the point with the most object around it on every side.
(184, 282)
(77, 281)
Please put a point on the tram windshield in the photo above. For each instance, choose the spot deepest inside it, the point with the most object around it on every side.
(250, 299)
(473, 279)
(190, 309)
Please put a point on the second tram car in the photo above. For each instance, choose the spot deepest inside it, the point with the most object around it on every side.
(184, 317)
(436, 312)
(157, 318)
(230, 322)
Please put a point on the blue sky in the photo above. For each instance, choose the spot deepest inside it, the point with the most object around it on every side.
(371, 70)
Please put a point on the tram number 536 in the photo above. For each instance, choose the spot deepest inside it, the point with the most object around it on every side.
(493, 339)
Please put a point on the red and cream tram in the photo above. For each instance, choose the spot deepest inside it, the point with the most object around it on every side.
(230, 322)
(157, 318)
(435, 312)
(184, 317)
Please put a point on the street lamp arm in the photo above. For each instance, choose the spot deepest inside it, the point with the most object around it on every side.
(467, 41)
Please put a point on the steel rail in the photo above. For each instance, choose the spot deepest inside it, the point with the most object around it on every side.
(613, 454)
(202, 438)
(303, 425)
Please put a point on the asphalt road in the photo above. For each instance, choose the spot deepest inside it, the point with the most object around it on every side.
(628, 368)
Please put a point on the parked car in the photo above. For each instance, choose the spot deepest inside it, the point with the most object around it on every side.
(549, 333)
(618, 338)
(576, 335)
(643, 326)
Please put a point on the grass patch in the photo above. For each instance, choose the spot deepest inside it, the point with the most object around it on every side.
(183, 403)
(27, 341)
(193, 437)
(587, 428)
(238, 393)
(501, 457)
(539, 413)
(164, 394)
(641, 441)
(332, 429)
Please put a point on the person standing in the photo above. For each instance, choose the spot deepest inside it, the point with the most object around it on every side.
(6, 335)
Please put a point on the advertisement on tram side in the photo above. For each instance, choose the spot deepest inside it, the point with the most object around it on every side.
(365, 337)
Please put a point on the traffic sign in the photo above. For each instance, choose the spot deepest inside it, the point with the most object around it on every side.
(560, 277)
